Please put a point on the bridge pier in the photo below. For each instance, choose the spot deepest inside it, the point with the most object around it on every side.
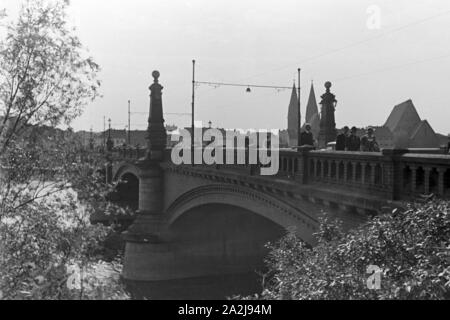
(145, 252)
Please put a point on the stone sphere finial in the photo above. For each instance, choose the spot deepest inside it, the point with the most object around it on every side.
(328, 85)
(156, 75)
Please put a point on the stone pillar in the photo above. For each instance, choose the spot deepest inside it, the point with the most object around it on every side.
(372, 176)
(392, 173)
(354, 165)
(328, 131)
(441, 182)
(302, 159)
(413, 178)
(427, 180)
(330, 166)
(317, 173)
(157, 135)
(146, 253)
(345, 172)
(363, 172)
(322, 170)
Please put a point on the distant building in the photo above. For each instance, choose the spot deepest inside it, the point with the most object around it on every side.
(405, 129)
(120, 137)
(443, 139)
(293, 116)
(284, 139)
(289, 137)
(409, 130)
(312, 113)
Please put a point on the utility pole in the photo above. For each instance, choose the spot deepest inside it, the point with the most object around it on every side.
(193, 113)
(109, 143)
(129, 122)
(91, 139)
(299, 108)
(104, 131)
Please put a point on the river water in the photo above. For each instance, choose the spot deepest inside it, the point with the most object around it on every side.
(206, 288)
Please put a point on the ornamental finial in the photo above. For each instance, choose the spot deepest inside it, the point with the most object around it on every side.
(156, 75)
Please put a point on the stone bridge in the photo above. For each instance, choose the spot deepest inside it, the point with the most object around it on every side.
(199, 220)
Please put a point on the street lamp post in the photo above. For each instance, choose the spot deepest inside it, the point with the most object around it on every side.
(299, 130)
(193, 113)
(129, 122)
(109, 143)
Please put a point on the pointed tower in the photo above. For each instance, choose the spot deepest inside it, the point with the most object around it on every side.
(311, 109)
(312, 113)
(293, 115)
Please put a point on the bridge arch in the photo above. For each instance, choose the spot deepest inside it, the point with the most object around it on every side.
(126, 168)
(269, 207)
(127, 191)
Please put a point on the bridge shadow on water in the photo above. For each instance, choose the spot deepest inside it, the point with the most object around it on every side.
(218, 252)
(205, 288)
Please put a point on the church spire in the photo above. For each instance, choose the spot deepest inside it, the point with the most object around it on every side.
(293, 115)
(311, 109)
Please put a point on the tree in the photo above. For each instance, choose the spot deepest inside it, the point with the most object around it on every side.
(48, 182)
(411, 248)
(46, 76)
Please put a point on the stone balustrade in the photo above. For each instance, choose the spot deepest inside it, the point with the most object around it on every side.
(394, 174)
(391, 174)
(128, 153)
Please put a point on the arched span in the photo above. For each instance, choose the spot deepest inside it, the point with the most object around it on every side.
(259, 203)
(128, 191)
(126, 168)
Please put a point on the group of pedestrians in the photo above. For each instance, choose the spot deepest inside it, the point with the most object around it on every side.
(346, 141)
(350, 141)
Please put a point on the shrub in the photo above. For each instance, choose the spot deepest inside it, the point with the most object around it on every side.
(410, 246)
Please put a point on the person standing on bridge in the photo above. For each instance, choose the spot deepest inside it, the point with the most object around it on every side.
(448, 145)
(369, 142)
(342, 140)
(307, 138)
(354, 142)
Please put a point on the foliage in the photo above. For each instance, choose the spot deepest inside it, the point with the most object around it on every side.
(49, 187)
(46, 76)
(411, 247)
(50, 191)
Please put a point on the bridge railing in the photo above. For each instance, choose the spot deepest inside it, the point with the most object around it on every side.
(128, 153)
(424, 174)
(393, 174)
(368, 172)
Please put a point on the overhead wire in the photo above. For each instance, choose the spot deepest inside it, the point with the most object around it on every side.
(354, 44)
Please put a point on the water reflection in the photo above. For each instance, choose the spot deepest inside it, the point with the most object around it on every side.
(205, 288)
(220, 239)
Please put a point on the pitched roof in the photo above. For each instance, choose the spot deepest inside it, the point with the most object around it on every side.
(403, 117)
(423, 136)
(312, 108)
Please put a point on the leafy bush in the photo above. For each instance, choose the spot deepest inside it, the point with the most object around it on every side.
(410, 246)
(48, 189)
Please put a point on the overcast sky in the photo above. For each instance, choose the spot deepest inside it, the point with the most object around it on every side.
(264, 42)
